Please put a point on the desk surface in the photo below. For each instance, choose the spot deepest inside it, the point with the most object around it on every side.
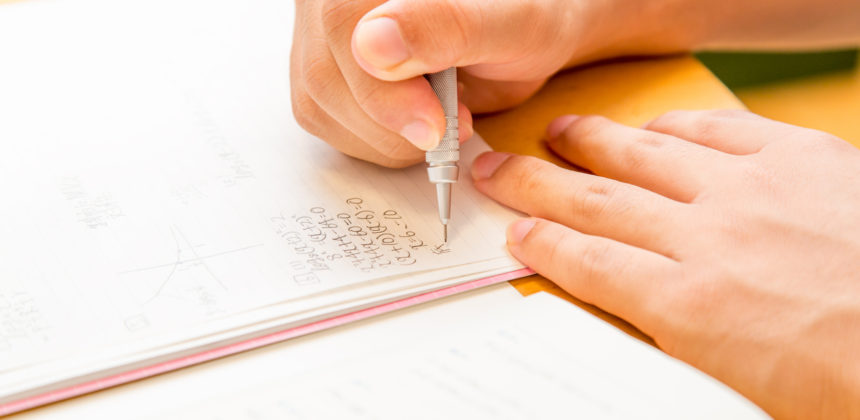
(631, 92)
(827, 102)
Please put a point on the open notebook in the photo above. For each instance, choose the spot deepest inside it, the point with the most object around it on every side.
(160, 201)
(484, 354)
(505, 363)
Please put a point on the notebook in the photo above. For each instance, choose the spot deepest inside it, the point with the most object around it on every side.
(163, 208)
(510, 362)
(487, 353)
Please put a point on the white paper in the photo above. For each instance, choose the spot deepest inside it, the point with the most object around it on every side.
(175, 391)
(539, 357)
(159, 196)
(486, 354)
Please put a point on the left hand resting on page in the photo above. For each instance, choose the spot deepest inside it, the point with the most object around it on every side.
(732, 240)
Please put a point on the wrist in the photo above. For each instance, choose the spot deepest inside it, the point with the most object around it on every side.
(623, 28)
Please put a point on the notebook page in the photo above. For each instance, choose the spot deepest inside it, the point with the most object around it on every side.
(539, 357)
(160, 189)
(198, 384)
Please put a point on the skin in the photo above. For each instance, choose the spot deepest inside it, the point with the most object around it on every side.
(356, 65)
(734, 241)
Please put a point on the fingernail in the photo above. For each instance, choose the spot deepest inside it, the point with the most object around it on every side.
(519, 229)
(487, 164)
(557, 126)
(421, 134)
(379, 43)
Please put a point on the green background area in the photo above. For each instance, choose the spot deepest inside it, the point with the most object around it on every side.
(740, 70)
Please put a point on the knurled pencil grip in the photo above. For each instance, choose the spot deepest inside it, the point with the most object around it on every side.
(444, 84)
(442, 161)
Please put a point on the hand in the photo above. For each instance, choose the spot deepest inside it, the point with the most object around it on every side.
(356, 65)
(732, 240)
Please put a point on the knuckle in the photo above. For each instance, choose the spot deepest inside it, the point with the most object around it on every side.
(394, 163)
(593, 201)
(638, 153)
(457, 32)
(397, 153)
(696, 121)
(695, 117)
(318, 70)
(816, 142)
(668, 120)
(644, 140)
(557, 255)
(586, 127)
(371, 97)
(763, 179)
(688, 298)
(708, 127)
(528, 172)
(728, 226)
(306, 112)
(533, 38)
(729, 113)
(709, 122)
(735, 229)
(337, 13)
(832, 144)
(594, 259)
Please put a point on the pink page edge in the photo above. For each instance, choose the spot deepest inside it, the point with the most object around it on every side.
(145, 372)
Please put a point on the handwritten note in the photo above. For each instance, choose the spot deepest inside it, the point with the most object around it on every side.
(158, 192)
(22, 323)
(355, 239)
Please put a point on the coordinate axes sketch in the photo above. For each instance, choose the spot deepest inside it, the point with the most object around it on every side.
(190, 264)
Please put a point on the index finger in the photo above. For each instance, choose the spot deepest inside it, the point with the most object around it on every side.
(624, 280)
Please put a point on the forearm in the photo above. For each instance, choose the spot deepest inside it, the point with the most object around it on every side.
(637, 27)
(778, 24)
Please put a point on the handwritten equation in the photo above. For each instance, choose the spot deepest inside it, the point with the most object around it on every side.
(192, 279)
(235, 169)
(21, 321)
(360, 237)
(93, 210)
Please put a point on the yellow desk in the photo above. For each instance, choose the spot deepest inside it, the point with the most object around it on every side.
(628, 91)
(829, 102)
(633, 92)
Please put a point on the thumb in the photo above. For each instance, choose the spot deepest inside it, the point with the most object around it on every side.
(500, 40)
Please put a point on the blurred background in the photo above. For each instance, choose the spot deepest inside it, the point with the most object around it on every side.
(818, 90)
